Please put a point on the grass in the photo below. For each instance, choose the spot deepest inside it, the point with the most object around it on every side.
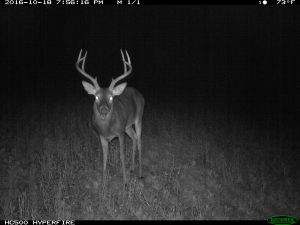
(198, 163)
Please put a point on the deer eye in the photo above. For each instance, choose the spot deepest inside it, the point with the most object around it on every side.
(97, 98)
(110, 99)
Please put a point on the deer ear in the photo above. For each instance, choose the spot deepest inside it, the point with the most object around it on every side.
(89, 88)
(119, 89)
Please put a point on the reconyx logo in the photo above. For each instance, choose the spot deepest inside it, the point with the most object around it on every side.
(282, 220)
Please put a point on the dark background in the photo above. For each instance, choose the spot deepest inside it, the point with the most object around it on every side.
(243, 57)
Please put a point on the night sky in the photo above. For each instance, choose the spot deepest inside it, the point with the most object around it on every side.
(245, 57)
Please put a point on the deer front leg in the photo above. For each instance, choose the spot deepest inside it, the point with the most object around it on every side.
(104, 144)
(121, 139)
(131, 133)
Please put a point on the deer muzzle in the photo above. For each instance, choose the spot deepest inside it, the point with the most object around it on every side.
(103, 111)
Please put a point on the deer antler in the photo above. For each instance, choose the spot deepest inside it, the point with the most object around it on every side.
(81, 69)
(126, 72)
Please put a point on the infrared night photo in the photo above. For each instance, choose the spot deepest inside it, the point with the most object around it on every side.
(150, 112)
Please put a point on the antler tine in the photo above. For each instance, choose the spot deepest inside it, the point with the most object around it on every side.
(123, 59)
(129, 61)
(126, 72)
(82, 71)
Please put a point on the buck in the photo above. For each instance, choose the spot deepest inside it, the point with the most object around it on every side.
(116, 109)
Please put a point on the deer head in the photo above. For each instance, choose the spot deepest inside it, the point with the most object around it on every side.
(104, 97)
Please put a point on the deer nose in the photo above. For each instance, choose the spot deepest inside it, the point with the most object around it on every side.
(104, 110)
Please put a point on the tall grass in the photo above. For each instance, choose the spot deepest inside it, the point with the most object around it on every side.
(198, 162)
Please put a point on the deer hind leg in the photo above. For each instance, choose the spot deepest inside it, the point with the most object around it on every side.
(131, 133)
(138, 129)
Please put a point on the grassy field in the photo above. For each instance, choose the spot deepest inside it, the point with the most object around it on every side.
(198, 163)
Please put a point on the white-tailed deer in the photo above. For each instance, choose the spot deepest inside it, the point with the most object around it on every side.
(116, 109)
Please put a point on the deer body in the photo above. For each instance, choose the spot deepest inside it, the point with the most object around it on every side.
(115, 111)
